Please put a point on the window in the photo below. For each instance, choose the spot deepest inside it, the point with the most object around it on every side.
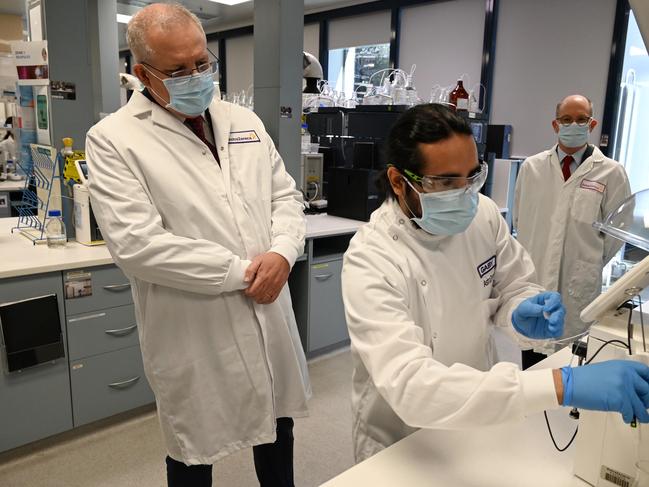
(630, 144)
(352, 67)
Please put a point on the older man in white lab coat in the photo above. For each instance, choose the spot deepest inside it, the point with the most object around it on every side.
(560, 192)
(424, 283)
(198, 210)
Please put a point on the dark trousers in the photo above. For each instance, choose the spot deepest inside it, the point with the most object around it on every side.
(273, 463)
(530, 357)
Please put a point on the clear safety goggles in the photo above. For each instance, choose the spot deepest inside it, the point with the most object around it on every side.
(437, 184)
(567, 121)
(209, 67)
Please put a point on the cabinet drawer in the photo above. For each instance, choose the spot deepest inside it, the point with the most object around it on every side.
(108, 384)
(327, 325)
(110, 288)
(101, 331)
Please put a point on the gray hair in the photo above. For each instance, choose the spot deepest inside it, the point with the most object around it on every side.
(161, 15)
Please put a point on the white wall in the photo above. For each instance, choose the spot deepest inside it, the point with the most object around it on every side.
(444, 40)
(312, 39)
(359, 30)
(545, 51)
(240, 63)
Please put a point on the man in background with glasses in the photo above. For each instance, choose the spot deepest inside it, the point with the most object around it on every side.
(559, 194)
(425, 282)
(197, 209)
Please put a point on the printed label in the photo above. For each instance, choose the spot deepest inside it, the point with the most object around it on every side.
(592, 185)
(78, 284)
(244, 137)
(486, 267)
(615, 477)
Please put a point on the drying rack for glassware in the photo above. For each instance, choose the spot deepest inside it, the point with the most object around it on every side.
(42, 172)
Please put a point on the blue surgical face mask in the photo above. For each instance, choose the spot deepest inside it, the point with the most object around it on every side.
(190, 95)
(447, 212)
(574, 135)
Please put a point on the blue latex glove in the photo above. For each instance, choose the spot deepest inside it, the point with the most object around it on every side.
(528, 317)
(615, 385)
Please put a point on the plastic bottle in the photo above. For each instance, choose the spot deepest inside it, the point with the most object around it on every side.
(67, 146)
(306, 139)
(55, 230)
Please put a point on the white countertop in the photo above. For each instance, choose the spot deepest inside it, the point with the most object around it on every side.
(512, 455)
(20, 257)
(12, 185)
(324, 225)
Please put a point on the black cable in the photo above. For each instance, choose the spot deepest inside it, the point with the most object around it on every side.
(545, 413)
(629, 328)
(547, 421)
(603, 345)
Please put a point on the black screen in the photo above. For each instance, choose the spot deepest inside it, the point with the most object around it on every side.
(31, 330)
(84, 168)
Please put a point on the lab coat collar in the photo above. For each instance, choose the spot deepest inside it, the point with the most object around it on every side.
(586, 165)
(140, 106)
(400, 223)
(221, 115)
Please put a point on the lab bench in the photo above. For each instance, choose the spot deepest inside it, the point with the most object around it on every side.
(508, 455)
(102, 373)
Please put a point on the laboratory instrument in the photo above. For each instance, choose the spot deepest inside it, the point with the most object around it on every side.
(86, 228)
(311, 165)
(607, 449)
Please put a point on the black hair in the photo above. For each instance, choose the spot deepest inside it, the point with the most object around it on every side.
(422, 124)
(9, 121)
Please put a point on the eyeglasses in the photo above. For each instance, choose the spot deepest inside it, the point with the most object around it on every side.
(567, 120)
(437, 184)
(210, 66)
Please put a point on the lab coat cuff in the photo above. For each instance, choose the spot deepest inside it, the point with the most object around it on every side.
(234, 279)
(539, 392)
(285, 246)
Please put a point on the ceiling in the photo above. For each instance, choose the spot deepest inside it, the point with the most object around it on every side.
(216, 17)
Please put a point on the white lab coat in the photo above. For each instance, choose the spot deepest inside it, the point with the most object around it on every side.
(184, 230)
(8, 149)
(420, 311)
(554, 221)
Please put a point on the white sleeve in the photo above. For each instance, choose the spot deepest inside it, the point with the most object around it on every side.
(137, 239)
(617, 190)
(423, 392)
(288, 224)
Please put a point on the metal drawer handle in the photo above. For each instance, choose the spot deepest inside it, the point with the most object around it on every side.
(323, 277)
(121, 331)
(117, 287)
(87, 317)
(124, 384)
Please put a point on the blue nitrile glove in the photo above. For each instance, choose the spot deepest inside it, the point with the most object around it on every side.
(614, 385)
(528, 318)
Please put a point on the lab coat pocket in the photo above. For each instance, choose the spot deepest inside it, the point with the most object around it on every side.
(586, 206)
(585, 281)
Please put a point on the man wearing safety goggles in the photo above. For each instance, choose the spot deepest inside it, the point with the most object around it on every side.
(426, 281)
(560, 193)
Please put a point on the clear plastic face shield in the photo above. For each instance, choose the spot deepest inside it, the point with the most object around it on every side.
(439, 184)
